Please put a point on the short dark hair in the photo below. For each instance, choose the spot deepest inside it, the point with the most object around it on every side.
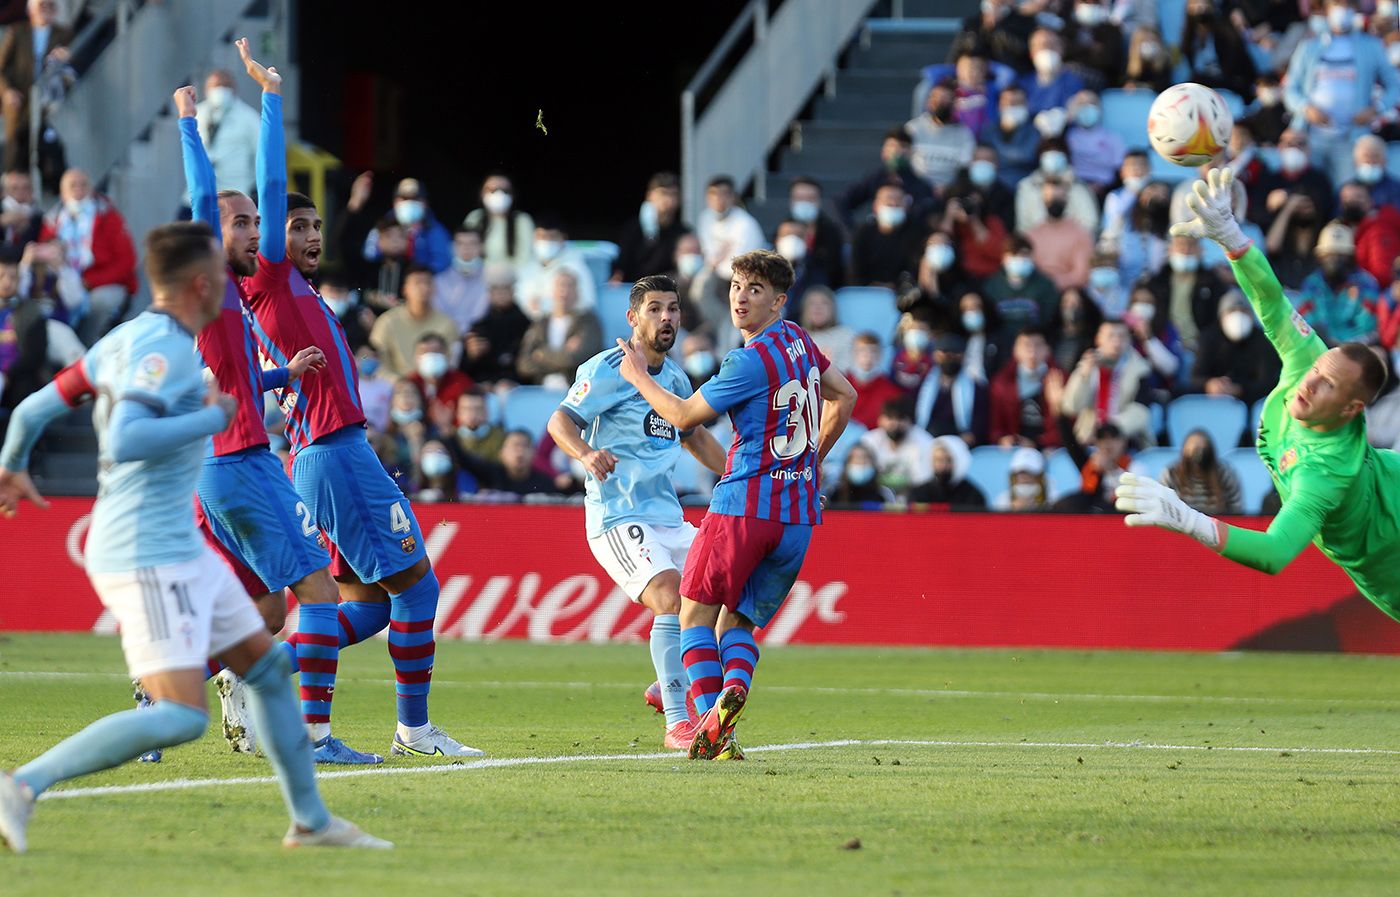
(298, 201)
(654, 283)
(529, 437)
(767, 266)
(804, 180)
(899, 409)
(1373, 370)
(720, 180)
(1136, 152)
(664, 180)
(892, 182)
(416, 268)
(1018, 243)
(1033, 330)
(172, 249)
(899, 133)
(1108, 430)
(463, 229)
(868, 337)
(431, 337)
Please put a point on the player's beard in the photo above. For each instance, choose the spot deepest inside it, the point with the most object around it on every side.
(241, 265)
(663, 341)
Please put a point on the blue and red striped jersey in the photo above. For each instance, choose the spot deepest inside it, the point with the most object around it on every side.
(771, 388)
(288, 316)
(227, 349)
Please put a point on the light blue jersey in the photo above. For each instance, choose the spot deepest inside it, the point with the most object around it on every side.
(615, 417)
(144, 515)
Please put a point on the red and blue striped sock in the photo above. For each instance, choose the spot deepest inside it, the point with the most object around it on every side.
(739, 653)
(212, 669)
(360, 620)
(318, 655)
(412, 647)
(700, 654)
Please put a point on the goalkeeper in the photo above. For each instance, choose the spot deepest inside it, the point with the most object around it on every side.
(1337, 490)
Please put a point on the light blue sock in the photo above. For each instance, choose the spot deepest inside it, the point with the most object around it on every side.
(113, 740)
(670, 672)
(277, 720)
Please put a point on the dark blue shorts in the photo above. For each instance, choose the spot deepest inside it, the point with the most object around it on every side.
(250, 507)
(358, 505)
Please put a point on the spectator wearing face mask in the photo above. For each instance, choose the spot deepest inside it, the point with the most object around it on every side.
(1141, 246)
(1027, 491)
(554, 346)
(1154, 338)
(1094, 45)
(980, 325)
(408, 429)
(376, 391)
(1235, 357)
(440, 385)
(1020, 414)
(490, 348)
(978, 81)
(1104, 387)
(942, 145)
(508, 233)
(913, 357)
(698, 358)
(938, 276)
(1339, 299)
(1370, 162)
(649, 240)
(1105, 286)
(951, 461)
(725, 228)
(895, 153)
(979, 235)
(1213, 52)
(703, 309)
(1376, 230)
(1099, 473)
(790, 241)
(1192, 290)
(857, 486)
(1022, 295)
(1061, 246)
(885, 248)
(396, 333)
(1073, 328)
(1097, 152)
(460, 291)
(1338, 83)
(867, 374)
(1202, 480)
(97, 266)
(228, 127)
(825, 255)
(831, 336)
(429, 243)
(999, 27)
(1050, 85)
(436, 479)
(1149, 65)
(1242, 155)
(1032, 206)
(355, 319)
(1296, 176)
(903, 453)
(1013, 137)
(1119, 203)
(552, 255)
(949, 401)
(1267, 117)
(983, 179)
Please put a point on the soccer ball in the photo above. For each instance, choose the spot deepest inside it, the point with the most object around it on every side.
(1189, 124)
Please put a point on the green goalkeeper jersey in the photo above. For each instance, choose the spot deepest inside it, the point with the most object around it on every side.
(1337, 490)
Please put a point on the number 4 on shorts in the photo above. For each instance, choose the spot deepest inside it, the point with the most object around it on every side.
(398, 520)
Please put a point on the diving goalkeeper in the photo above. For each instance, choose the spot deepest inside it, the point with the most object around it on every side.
(1337, 490)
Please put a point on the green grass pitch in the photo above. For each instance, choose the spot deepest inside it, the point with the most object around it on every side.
(960, 772)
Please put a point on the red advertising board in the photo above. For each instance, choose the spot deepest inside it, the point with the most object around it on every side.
(511, 571)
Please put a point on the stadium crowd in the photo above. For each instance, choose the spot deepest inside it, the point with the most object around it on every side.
(1013, 236)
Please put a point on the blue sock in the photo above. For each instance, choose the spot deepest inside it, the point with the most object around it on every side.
(318, 653)
(113, 740)
(670, 672)
(283, 736)
(412, 647)
(360, 620)
(739, 654)
(700, 654)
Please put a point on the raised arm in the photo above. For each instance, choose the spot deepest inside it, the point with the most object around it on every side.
(272, 159)
(199, 171)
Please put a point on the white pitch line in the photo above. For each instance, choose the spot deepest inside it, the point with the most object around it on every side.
(801, 689)
(506, 762)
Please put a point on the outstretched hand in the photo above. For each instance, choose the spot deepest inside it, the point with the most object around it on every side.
(1150, 503)
(1212, 199)
(185, 102)
(268, 78)
(16, 486)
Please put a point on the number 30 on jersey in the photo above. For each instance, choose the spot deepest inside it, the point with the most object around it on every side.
(803, 403)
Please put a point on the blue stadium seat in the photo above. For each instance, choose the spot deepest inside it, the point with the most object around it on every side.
(1255, 482)
(836, 458)
(613, 300)
(1269, 156)
(1062, 477)
(868, 308)
(1256, 411)
(1233, 101)
(1171, 19)
(599, 255)
(529, 408)
(1392, 157)
(493, 407)
(1125, 114)
(991, 469)
(1223, 417)
(1151, 462)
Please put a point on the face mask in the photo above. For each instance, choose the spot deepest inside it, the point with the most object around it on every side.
(402, 417)
(408, 212)
(1088, 115)
(917, 341)
(1046, 62)
(1018, 266)
(474, 432)
(1269, 96)
(1370, 174)
(467, 266)
(890, 216)
(689, 265)
(367, 366)
(1183, 264)
(650, 220)
(497, 202)
(973, 321)
(548, 250)
(864, 374)
(950, 367)
(1134, 184)
(1103, 278)
(1292, 160)
(939, 256)
(1055, 208)
(1143, 311)
(805, 211)
(432, 365)
(1025, 490)
(1051, 122)
(792, 247)
(77, 207)
(220, 97)
(859, 474)
(1317, 24)
(436, 464)
(1237, 325)
(982, 172)
(10, 204)
(1012, 117)
(1089, 14)
(1053, 162)
(700, 364)
(897, 162)
(1353, 212)
(338, 307)
(1340, 19)
(1148, 50)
